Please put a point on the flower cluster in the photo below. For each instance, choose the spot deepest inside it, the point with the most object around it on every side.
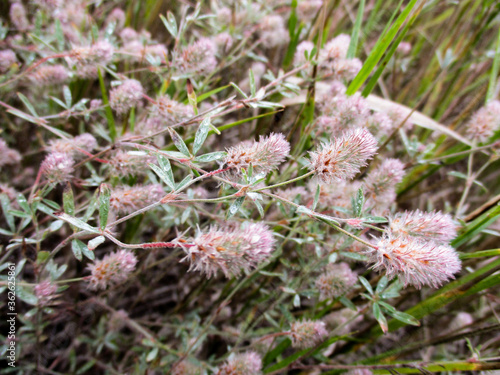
(415, 261)
(434, 226)
(126, 96)
(264, 156)
(125, 200)
(57, 167)
(343, 157)
(113, 269)
(335, 281)
(307, 333)
(78, 146)
(231, 249)
(248, 363)
(484, 122)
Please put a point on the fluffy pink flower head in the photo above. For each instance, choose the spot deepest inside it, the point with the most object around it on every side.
(44, 292)
(415, 261)
(74, 147)
(99, 53)
(272, 31)
(380, 124)
(49, 75)
(126, 200)
(126, 96)
(7, 59)
(199, 57)
(307, 9)
(307, 333)
(334, 50)
(299, 58)
(57, 167)
(434, 225)
(337, 280)
(344, 112)
(380, 184)
(18, 17)
(264, 156)
(113, 269)
(187, 368)
(484, 122)
(125, 163)
(230, 249)
(8, 155)
(342, 158)
(248, 363)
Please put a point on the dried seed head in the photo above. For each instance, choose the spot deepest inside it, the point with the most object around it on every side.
(8, 156)
(484, 122)
(342, 158)
(7, 59)
(126, 96)
(49, 75)
(272, 31)
(198, 58)
(18, 18)
(415, 261)
(434, 225)
(113, 269)
(307, 333)
(336, 281)
(230, 249)
(264, 156)
(248, 363)
(57, 167)
(74, 147)
(125, 200)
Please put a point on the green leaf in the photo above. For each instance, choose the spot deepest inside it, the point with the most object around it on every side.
(107, 109)
(27, 104)
(152, 354)
(104, 196)
(353, 45)
(81, 248)
(316, 197)
(76, 247)
(22, 115)
(59, 36)
(235, 207)
(377, 313)
(201, 135)
(379, 49)
(185, 181)
(382, 284)
(366, 284)
(374, 79)
(163, 175)
(206, 158)
(77, 223)
(170, 23)
(68, 200)
(67, 96)
(239, 90)
(178, 142)
(5, 203)
(358, 202)
(477, 225)
(494, 71)
(23, 203)
(251, 78)
(347, 303)
(403, 317)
